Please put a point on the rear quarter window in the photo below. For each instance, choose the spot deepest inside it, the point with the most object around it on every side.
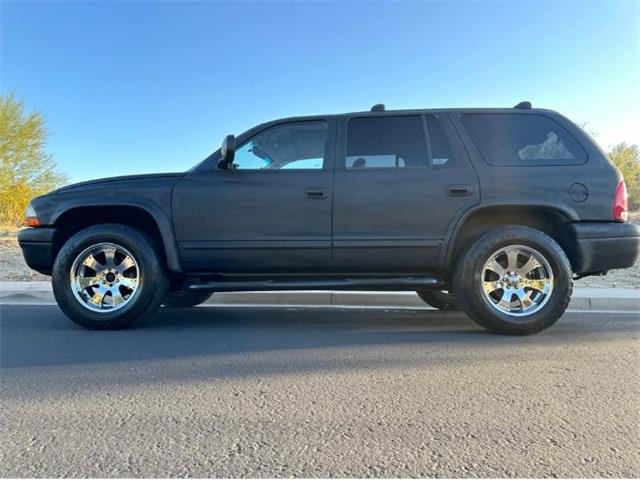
(505, 139)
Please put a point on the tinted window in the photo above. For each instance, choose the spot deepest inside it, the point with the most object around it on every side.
(294, 146)
(386, 142)
(512, 139)
(441, 155)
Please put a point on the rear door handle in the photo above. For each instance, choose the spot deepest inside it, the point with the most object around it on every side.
(316, 192)
(459, 190)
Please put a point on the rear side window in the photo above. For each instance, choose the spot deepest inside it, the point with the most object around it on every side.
(522, 140)
(386, 142)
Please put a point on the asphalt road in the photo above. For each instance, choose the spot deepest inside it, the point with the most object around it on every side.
(228, 392)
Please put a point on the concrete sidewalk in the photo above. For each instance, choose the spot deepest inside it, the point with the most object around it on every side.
(615, 299)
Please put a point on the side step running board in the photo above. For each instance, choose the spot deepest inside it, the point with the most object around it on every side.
(388, 283)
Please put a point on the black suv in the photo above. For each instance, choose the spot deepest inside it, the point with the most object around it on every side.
(492, 211)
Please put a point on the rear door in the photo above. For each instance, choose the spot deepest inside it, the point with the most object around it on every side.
(398, 186)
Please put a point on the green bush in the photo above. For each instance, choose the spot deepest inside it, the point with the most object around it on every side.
(627, 159)
(26, 170)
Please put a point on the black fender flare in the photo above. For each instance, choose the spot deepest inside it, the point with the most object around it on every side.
(163, 223)
(456, 225)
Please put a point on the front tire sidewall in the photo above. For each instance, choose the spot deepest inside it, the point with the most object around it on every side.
(152, 280)
(469, 276)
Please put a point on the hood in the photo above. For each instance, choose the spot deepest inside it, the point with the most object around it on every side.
(150, 190)
(118, 181)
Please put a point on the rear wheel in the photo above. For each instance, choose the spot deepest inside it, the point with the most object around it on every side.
(440, 299)
(515, 280)
(181, 299)
(108, 276)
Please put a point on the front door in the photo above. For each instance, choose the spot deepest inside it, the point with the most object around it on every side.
(398, 186)
(271, 212)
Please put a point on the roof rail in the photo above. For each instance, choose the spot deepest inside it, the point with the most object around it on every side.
(523, 106)
(378, 107)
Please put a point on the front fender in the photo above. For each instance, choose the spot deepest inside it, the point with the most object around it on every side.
(155, 211)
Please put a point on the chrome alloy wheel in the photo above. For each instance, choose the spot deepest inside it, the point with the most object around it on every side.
(517, 280)
(104, 277)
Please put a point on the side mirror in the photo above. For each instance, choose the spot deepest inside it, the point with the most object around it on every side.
(228, 151)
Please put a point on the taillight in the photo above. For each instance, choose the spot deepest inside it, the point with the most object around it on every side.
(621, 203)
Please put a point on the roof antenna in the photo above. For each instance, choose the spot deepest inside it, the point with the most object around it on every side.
(378, 107)
(523, 106)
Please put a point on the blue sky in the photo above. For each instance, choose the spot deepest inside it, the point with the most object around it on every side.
(130, 87)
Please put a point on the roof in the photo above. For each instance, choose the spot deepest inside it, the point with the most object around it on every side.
(520, 108)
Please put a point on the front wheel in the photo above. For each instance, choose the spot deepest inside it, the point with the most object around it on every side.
(515, 280)
(108, 276)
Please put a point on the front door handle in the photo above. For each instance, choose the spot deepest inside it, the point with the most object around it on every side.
(316, 192)
(459, 190)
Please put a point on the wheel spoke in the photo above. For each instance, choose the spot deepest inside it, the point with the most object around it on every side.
(116, 296)
(505, 301)
(98, 296)
(93, 264)
(541, 284)
(109, 255)
(495, 267)
(491, 286)
(125, 264)
(525, 300)
(529, 266)
(512, 260)
(86, 282)
(130, 283)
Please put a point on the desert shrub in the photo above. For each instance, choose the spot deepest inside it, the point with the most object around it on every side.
(26, 169)
(627, 159)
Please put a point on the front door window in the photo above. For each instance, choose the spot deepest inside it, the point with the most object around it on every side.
(294, 146)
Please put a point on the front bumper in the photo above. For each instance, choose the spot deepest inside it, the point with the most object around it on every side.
(606, 246)
(38, 246)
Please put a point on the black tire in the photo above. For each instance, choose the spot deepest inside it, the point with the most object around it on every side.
(468, 281)
(438, 299)
(181, 299)
(150, 289)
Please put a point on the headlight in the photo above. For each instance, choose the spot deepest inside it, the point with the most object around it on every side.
(31, 217)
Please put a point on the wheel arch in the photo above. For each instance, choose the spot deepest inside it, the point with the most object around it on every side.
(550, 219)
(145, 216)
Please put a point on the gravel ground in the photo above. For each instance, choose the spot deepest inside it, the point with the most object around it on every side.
(13, 268)
(285, 392)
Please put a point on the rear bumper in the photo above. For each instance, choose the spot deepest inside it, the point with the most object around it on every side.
(38, 247)
(606, 246)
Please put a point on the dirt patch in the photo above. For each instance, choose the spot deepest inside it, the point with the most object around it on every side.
(13, 268)
(626, 278)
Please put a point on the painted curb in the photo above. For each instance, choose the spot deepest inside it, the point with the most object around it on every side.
(615, 299)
